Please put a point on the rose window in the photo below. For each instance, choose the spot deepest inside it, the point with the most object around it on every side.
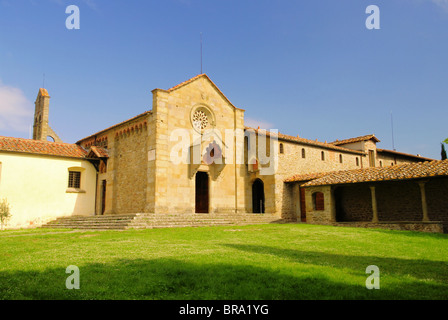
(200, 120)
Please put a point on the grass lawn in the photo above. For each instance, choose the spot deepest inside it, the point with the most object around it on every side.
(272, 262)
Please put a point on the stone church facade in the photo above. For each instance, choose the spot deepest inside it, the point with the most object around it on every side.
(138, 173)
(192, 153)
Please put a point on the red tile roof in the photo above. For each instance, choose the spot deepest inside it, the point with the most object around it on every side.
(393, 152)
(417, 170)
(21, 145)
(307, 176)
(100, 152)
(357, 139)
(316, 143)
(43, 92)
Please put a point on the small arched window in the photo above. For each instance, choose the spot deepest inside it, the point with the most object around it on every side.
(340, 158)
(322, 155)
(281, 148)
(357, 162)
(303, 153)
(318, 201)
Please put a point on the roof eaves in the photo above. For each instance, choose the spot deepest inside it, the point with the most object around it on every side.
(115, 126)
(284, 137)
(356, 139)
(404, 154)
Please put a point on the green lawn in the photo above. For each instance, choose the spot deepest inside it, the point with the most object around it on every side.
(284, 262)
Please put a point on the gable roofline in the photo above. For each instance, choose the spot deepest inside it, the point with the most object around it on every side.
(202, 75)
(356, 139)
(180, 85)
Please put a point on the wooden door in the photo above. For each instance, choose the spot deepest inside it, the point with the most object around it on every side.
(202, 193)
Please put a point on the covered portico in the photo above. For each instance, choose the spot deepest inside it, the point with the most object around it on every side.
(410, 196)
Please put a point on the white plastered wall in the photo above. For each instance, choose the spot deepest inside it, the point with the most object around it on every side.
(36, 187)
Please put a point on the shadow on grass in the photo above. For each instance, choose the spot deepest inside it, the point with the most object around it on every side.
(170, 279)
(422, 279)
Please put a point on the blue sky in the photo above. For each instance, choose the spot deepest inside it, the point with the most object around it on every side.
(305, 67)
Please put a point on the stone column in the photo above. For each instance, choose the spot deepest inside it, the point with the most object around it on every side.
(424, 204)
(332, 204)
(374, 204)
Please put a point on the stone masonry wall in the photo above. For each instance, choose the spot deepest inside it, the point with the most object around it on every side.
(130, 157)
(399, 201)
(291, 163)
(437, 199)
(175, 182)
(319, 216)
(353, 203)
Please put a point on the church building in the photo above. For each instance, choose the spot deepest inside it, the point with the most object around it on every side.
(190, 154)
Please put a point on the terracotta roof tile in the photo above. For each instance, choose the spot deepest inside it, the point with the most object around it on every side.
(43, 92)
(307, 176)
(400, 172)
(100, 152)
(393, 152)
(41, 147)
(357, 139)
(316, 143)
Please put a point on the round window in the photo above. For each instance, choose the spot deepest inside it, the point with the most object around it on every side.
(202, 118)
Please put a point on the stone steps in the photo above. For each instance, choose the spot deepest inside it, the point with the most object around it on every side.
(162, 220)
(109, 222)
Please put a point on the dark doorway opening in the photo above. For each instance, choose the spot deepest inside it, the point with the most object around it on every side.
(258, 196)
(302, 205)
(103, 197)
(202, 193)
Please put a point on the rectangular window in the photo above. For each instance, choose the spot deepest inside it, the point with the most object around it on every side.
(372, 158)
(74, 179)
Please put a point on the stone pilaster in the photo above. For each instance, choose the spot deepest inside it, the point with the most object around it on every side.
(374, 204)
(424, 204)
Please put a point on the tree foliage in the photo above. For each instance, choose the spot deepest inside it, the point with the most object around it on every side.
(5, 212)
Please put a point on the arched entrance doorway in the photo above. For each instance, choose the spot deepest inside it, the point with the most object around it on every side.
(202, 195)
(258, 196)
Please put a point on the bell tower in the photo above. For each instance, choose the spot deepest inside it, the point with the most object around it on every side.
(41, 128)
